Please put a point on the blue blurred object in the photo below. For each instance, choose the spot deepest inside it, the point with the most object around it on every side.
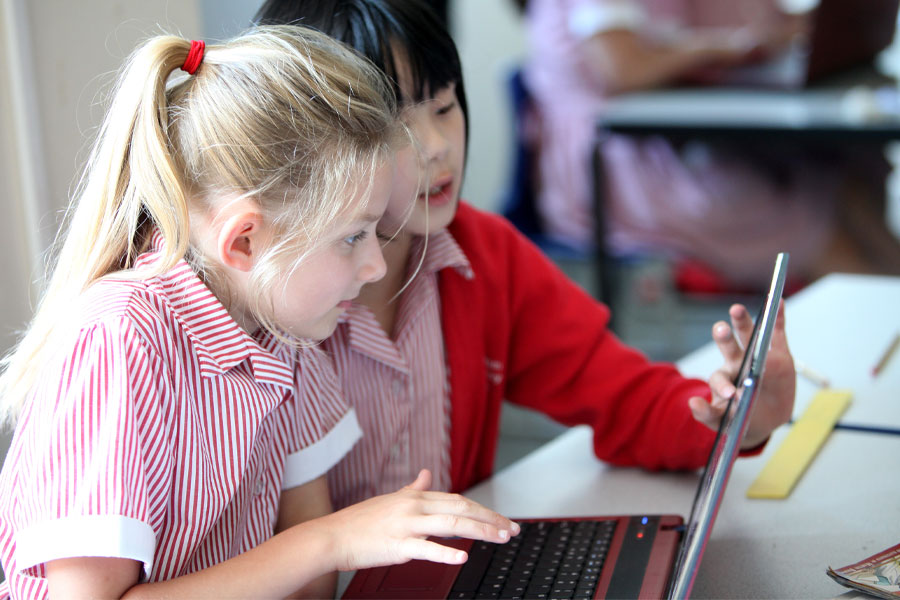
(520, 200)
(519, 205)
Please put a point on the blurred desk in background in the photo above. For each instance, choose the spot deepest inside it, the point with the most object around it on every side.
(829, 120)
(832, 115)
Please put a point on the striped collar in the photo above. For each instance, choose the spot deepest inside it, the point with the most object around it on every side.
(220, 343)
(441, 252)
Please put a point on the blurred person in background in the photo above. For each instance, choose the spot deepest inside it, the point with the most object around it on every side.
(728, 204)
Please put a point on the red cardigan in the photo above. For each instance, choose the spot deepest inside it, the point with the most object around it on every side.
(520, 330)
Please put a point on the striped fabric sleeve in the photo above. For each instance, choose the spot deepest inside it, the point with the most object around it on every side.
(326, 429)
(97, 451)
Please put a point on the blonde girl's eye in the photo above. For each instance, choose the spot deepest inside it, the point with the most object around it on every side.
(356, 238)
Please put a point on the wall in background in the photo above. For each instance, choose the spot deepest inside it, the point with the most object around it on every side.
(57, 58)
(491, 42)
(15, 260)
(224, 18)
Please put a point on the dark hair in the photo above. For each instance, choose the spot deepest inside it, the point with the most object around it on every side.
(375, 28)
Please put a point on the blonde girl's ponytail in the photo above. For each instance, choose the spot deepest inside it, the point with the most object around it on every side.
(283, 115)
(106, 224)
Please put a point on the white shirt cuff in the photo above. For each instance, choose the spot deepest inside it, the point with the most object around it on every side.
(112, 536)
(315, 460)
(588, 19)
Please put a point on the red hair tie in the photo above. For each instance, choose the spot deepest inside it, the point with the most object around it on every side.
(194, 57)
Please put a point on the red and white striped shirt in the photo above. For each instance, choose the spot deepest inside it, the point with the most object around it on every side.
(398, 388)
(164, 433)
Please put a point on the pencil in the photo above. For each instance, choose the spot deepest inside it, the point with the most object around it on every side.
(811, 375)
(886, 356)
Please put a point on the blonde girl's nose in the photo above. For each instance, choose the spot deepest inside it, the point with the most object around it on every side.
(373, 266)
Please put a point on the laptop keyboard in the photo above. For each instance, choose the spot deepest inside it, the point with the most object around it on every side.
(548, 559)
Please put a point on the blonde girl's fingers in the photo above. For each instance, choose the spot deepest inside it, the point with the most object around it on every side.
(420, 549)
(455, 505)
(448, 525)
(422, 482)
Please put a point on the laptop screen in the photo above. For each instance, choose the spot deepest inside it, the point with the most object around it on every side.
(728, 439)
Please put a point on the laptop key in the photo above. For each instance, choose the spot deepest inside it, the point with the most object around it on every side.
(537, 588)
(514, 591)
(589, 578)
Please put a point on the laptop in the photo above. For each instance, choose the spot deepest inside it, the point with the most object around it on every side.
(624, 556)
(843, 35)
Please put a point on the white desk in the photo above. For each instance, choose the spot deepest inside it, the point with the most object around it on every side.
(845, 507)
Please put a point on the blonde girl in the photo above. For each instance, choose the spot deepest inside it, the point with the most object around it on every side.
(225, 219)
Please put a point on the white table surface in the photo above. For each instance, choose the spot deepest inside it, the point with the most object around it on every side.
(844, 508)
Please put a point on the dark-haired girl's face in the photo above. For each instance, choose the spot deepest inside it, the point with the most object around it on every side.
(431, 170)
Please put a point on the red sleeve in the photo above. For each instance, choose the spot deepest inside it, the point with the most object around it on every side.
(564, 362)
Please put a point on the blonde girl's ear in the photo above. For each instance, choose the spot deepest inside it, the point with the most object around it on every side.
(241, 240)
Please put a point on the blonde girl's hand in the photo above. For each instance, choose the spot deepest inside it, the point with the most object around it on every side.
(393, 528)
(775, 403)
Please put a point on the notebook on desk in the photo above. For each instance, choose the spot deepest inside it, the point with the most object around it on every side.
(843, 35)
(624, 556)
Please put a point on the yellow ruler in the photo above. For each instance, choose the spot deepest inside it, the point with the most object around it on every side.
(803, 441)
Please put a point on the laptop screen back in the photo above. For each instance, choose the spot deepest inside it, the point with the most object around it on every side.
(728, 439)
